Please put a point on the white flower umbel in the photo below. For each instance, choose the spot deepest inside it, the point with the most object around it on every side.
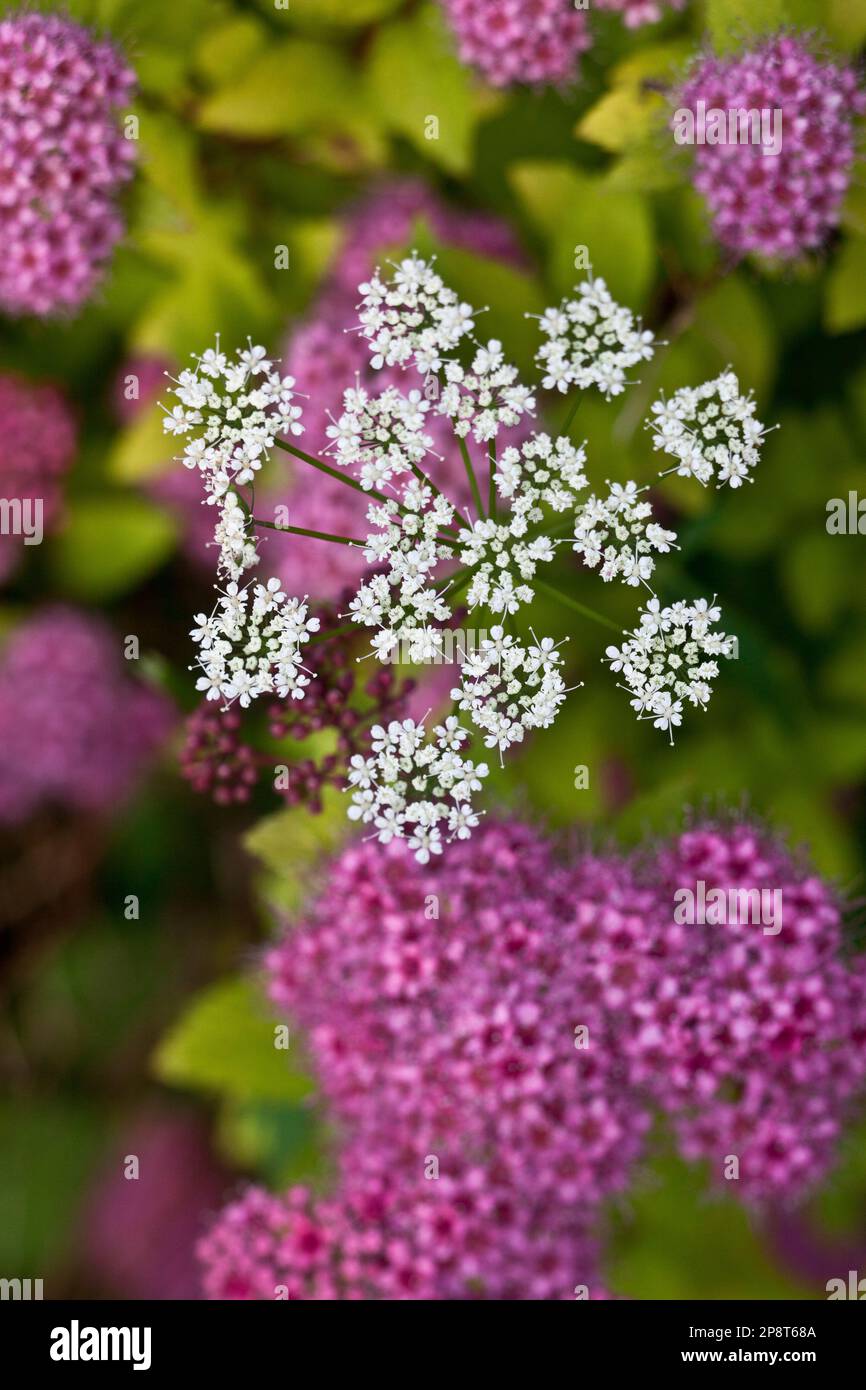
(507, 688)
(251, 644)
(670, 658)
(711, 431)
(591, 342)
(486, 398)
(427, 562)
(617, 533)
(416, 788)
(412, 317)
(232, 411)
(380, 437)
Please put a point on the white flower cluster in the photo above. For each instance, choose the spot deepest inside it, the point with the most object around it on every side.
(506, 688)
(617, 529)
(669, 658)
(251, 644)
(380, 437)
(486, 398)
(415, 320)
(403, 601)
(413, 788)
(543, 471)
(711, 431)
(414, 317)
(591, 341)
(234, 410)
(426, 561)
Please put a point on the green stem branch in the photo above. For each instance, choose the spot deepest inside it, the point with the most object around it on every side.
(573, 603)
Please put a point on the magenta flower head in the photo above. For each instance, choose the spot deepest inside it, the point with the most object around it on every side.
(753, 1034)
(461, 1040)
(775, 141)
(510, 41)
(63, 158)
(77, 730)
(493, 1032)
(37, 447)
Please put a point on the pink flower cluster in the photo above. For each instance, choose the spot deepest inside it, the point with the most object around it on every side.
(537, 43)
(76, 729)
(777, 205)
(62, 161)
(762, 1032)
(37, 446)
(510, 41)
(494, 1034)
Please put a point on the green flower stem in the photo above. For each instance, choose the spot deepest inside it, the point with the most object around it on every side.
(303, 531)
(331, 472)
(567, 422)
(491, 489)
(470, 473)
(327, 633)
(576, 606)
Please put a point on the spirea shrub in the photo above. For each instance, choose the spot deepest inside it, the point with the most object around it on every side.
(539, 43)
(426, 560)
(38, 438)
(777, 204)
(63, 159)
(491, 1062)
(77, 729)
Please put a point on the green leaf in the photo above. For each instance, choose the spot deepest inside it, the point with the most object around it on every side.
(169, 159)
(108, 545)
(47, 1151)
(816, 572)
(225, 1043)
(572, 209)
(334, 14)
(142, 450)
(845, 21)
(283, 1144)
(227, 49)
(294, 86)
(845, 307)
(660, 1250)
(291, 843)
(414, 79)
(731, 22)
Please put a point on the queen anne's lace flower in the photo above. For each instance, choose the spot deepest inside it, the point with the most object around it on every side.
(618, 531)
(413, 789)
(507, 688)
(669, 658)
(413, 317)
(591, 341)
(426, 562)
(711, 430)
(251, 644)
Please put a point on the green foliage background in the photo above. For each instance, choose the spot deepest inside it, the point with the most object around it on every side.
(258, 127)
